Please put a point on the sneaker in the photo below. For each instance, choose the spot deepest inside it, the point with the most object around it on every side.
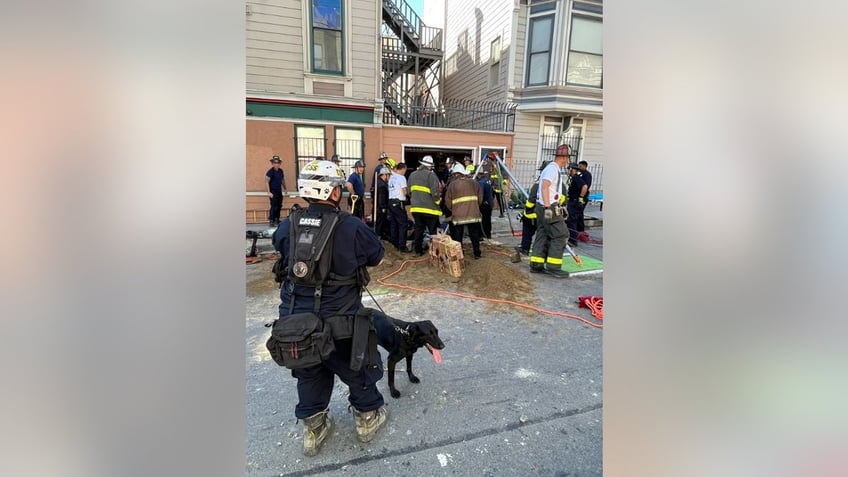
(369, 422)
(522, 251)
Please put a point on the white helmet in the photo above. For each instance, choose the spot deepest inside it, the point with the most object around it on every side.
(459, 169)
(427, 161)
(318, 179)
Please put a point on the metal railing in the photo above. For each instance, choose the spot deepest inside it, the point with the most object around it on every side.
(408, 20)
(454, 114)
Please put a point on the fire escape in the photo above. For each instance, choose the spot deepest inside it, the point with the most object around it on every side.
(412, 59)
(412, 54)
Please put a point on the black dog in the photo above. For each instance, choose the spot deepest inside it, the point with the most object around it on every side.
(402, 339)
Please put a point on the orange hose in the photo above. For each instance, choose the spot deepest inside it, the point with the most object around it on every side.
(383, 281)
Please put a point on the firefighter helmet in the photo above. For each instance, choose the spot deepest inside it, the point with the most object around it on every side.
(427, 161)
(390, 163)
(318, 179)
(563, 150)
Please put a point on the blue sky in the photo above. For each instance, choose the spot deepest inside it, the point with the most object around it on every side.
(416, 5)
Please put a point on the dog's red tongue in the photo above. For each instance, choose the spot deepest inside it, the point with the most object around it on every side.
(436, 356)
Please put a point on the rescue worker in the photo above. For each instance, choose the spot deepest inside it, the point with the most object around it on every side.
(528, 218)
(398, 217)
(356, 188)
(381, 162)
(577, 192)
(587, 178)
(551, 232)
(497, 180)
(354, 247)
(463, 197)
(486, 206)
(381, 204)
(424, 200)
(469, 164)
(275, 184)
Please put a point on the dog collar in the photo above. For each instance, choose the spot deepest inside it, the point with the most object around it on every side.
(403, 331)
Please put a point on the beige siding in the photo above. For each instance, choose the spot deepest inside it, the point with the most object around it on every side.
(520, 45)
(274, 60)
(526, 147)
(593, 142)
(362, 38)
(276, 53)
(477, 23)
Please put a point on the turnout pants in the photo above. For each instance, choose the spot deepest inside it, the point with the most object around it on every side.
(549, 242)
(528, 229)
(315, 384)
(422, 221)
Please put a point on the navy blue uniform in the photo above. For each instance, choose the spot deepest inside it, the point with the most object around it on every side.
(275, 186)
(486, 206)
(587, 178)
(358, 189)
(355, 245)
(574, 207)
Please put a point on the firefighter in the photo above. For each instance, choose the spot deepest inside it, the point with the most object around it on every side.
(424, 200)
(551, 231)
(577, 192)
(463, 197)
(528, 218)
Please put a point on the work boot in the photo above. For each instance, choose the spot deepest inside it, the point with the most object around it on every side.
(536, 268)
(369, 422)
(557, 272)
(316, 430)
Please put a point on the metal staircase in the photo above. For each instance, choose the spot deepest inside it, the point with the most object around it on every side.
(412, 54)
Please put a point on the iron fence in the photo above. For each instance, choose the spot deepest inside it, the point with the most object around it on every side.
(453, 114)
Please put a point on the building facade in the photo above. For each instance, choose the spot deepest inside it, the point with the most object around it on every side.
(546, 57)
(353, 78)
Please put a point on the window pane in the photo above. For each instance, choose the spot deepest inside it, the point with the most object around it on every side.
(586, 36)
(354, 134)
(538, 69)
(327, 50)
(349, 145)
(327, 14)
(540, 29)
(585, 69)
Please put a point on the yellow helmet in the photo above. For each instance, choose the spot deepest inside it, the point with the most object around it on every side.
(390, 163)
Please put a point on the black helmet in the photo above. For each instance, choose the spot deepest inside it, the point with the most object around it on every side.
(359, 164)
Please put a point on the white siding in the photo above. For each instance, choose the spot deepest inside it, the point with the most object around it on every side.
(467, 69)
(525, 153)
(593, 142)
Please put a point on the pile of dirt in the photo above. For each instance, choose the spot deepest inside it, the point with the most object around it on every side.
(492, 276)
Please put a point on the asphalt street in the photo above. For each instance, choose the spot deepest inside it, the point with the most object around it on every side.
(517, 392)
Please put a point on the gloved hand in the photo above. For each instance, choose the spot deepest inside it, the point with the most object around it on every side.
(549, 214)
(581, 201)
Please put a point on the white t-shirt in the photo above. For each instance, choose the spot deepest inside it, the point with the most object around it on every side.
(551, 173)
(396, 184)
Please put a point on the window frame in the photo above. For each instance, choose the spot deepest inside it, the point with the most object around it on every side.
(297, 147)
(571, 50)
(342, 46)
(549, 51)
(347, 161)
(495, 64)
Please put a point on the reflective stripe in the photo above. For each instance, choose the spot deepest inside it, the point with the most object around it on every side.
(555, 261)
(529, 204)
(465, 198)
(530, 216)
(537, 260)
(424, 210)
(419, 188)
(466, 221)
